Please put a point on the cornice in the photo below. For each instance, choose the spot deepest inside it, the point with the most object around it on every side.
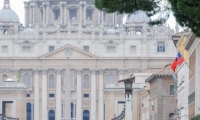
(153, 77)
(189, 40)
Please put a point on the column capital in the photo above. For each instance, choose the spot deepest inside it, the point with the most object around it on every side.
(58, 71)
(101, 71)
(121, 71)
(93, 71)
(44, 71)
(16, 71)
(78, 71)
(36, 71)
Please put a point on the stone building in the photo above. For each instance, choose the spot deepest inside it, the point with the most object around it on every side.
(182, 76)
(192, 46)
(162, 102)
(70, 56)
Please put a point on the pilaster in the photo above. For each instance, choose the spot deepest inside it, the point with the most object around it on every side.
(44, 94)
(58, 94)
(79, 95)
(36, 95)
(93, 94)
(101, 73)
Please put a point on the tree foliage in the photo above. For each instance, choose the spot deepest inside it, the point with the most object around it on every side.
(186, 12)
(197, 117)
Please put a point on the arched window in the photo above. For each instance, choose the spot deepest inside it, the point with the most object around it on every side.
(27, 81)
(51, 81)
(138, 32)
(51, 115)
(111, 78)
(86, 115)
(4, 77)
(171, 116)
(71, 80)
(86, 81)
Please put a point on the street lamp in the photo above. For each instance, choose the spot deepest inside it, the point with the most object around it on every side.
(128, 86)
(128, 96)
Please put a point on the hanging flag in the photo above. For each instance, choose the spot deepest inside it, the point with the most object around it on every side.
(174, 78)
(177, 61)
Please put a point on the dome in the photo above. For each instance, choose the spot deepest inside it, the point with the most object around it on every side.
(137, 17)
(9, 16)
(29, 31)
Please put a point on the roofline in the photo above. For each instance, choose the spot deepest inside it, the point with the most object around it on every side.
(154, 76)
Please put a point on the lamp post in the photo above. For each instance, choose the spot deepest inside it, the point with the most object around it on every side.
(128, 97)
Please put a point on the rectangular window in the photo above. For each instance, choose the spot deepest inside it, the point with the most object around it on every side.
(160, 46)
(111, 49)
(172, 90)
(28, 95)
(73, 14)
(132, 49)
(51, 48)
(57, 14)
(89, 14)
(26, 49)
(51, 95)
(4, 49)
(86, 48)
(86, 95)
(191, 98)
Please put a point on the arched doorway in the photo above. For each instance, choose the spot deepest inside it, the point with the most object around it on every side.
(86, 115)
(51, 115)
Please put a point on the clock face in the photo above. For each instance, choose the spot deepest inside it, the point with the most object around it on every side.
(68, 52)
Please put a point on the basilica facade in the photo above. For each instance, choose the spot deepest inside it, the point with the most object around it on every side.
(71, 56)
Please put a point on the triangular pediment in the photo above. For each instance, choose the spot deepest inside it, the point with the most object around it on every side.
(75, 53)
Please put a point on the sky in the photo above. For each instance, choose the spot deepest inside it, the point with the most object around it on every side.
(18, 7)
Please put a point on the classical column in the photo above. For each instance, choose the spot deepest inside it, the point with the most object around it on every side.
(67, 92)
(81, 13)
(44, 94)
(93, 95)
(44, 14)
(36, 96)
(79, 96)
(99, 17)
(26, 12)
(84, 13)
(47, 14)
(33, 22)
(102, 17)
(30, 15)
(58, 95)
(61, 13)
(101, 95)
(121, 72)
(65, 14)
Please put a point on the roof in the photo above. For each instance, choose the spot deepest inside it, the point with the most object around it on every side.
(166, 72)
(7, 15)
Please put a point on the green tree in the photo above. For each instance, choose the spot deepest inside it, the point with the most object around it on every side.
(186, 12)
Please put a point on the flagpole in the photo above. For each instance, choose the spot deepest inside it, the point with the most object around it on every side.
(184, 60)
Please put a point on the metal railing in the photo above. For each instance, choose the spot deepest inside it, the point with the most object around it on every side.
(121, 116)
(7, 118)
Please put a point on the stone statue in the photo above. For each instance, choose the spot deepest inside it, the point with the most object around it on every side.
(68, 52)
(79, 28)
(69, 27)
(177, 28)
